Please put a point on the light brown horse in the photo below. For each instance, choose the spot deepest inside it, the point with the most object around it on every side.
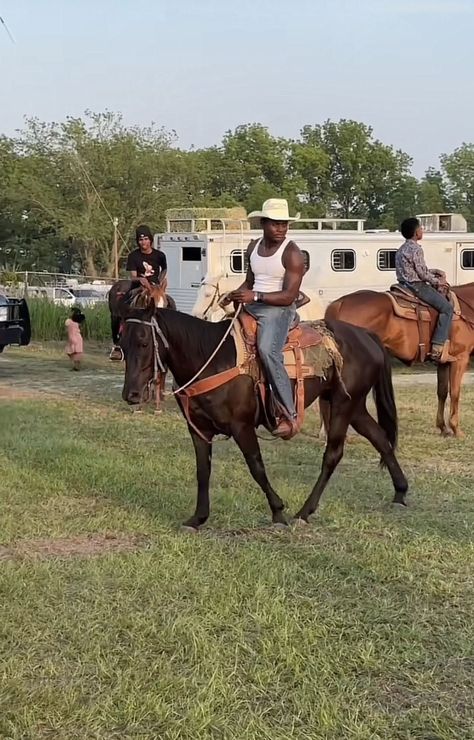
(372, 310)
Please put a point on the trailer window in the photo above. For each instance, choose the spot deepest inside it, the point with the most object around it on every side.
(343, 260)
(236, 261)
(386, 259)
(191, 254)
(467, 259)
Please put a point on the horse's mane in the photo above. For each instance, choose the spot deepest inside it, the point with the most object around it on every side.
(199, 337)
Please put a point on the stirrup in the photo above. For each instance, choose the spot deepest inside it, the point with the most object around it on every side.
(116, 354)
(442, 355)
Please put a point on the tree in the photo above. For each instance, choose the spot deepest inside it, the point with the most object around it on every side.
(249, 163)
(363, 173)
(458, 169)
(432, 196)
(76, 176)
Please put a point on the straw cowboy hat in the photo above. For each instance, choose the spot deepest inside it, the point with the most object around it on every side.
(276, 209)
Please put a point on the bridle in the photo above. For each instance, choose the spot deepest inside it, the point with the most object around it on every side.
(216, 296)
(159, 366)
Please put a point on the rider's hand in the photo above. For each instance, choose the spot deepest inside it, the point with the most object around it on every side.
(242, 295)
(225, 300)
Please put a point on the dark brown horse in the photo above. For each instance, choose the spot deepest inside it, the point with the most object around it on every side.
(147, 294)
(373, 311)
(184, 344)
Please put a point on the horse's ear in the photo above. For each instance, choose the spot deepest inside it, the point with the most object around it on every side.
(145, 283)
(162, 279)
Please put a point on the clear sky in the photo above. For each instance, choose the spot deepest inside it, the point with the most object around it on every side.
(404, 66)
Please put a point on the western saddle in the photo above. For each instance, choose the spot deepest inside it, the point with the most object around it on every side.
(406, 305)
(300, 337)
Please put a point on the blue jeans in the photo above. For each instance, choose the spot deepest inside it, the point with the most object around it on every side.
(430, 295)
(273, 325)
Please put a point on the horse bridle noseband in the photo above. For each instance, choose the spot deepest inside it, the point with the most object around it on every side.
(158, 364)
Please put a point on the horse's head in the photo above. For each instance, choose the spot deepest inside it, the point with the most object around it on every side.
(142, 345)
(211, 292)
(154, 294)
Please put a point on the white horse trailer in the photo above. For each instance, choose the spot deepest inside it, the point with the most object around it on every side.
(339, 259)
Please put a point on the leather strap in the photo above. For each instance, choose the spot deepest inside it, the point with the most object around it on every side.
(210, 384)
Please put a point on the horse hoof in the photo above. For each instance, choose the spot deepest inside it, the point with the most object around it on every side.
(399, 506)
(299, 522)
(188, 529)
(280, 526)
(158, 412)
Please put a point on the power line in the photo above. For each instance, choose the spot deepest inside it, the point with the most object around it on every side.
(7, 29)
(89, 179)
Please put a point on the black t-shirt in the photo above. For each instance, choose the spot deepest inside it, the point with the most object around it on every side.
(147, 265)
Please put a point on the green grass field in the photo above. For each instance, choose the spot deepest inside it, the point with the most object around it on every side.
(115, 624)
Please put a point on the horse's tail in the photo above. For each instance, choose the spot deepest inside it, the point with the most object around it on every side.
(384, 397)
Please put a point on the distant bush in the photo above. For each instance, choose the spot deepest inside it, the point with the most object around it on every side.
(47, 321)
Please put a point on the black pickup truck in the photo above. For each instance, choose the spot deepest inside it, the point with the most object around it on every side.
(15, 326)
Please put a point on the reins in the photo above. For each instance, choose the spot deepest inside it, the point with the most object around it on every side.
(159, 365)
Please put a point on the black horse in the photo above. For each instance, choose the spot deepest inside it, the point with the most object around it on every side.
(183, 344)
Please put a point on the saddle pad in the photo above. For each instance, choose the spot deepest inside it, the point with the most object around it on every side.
(316, 343)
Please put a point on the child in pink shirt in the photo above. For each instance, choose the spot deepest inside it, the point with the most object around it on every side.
(75, 344)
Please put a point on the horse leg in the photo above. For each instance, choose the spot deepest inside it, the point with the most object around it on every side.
(366, 425)
(115, 328)
(246, 438)
(442, 391)
(203, 452)
(456, 372)
(324, 415)
(159, 392)
(338, 424)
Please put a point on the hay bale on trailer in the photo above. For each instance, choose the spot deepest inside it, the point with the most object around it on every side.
(188, 219)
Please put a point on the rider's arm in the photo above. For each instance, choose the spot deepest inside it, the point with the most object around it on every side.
(293, 263)
(422, 270)
(131, 266)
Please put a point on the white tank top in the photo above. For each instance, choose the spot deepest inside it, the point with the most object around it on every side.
(268, 271)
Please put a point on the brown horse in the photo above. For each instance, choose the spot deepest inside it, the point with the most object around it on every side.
(142, 294)
(187, 346)
(372, 310)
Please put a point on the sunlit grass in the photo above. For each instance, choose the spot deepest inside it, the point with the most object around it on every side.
(359, 626)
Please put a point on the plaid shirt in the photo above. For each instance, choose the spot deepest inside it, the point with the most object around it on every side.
(410, 265)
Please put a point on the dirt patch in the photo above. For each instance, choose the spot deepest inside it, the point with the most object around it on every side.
(12, 394)
(82, 546)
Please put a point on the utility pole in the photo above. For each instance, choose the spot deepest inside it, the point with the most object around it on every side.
(116, 262)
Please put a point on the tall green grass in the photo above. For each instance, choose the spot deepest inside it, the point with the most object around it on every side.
(47, 321)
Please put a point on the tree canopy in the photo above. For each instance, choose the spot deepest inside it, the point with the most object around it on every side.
(62, 184)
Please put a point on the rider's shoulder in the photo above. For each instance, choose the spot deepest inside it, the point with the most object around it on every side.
(293, 250)
(252, 244)
(292, 246)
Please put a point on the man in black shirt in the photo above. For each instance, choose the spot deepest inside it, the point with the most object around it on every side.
(142, 262)
(146, 261)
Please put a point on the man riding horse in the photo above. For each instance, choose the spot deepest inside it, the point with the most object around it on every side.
(413, 274)
(142, 262)
(269, 292)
